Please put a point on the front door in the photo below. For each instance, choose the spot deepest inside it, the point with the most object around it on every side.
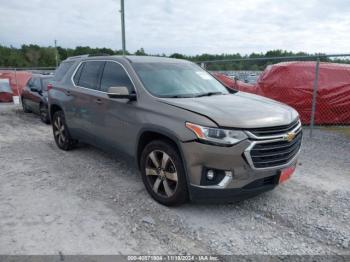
(114, 119)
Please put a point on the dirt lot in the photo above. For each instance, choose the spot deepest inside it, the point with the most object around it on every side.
(88, 202)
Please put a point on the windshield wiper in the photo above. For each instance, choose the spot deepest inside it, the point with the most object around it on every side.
(209, 94)
(191, 96)
(178, 96)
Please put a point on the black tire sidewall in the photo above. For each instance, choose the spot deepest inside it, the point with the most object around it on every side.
(181, 194)
(24, 106)
(47, 119)
(68, 145)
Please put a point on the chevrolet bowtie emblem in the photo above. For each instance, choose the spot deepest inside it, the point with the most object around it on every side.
(290, 136)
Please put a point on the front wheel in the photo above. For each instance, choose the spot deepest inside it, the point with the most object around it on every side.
(61, 133)
(163, 173)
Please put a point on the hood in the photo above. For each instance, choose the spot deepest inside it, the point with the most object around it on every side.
(239, 110)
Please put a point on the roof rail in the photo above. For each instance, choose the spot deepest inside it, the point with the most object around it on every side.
(85, 56)
(99, 54)
(77, 56)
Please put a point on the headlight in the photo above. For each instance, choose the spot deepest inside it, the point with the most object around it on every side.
(217, 135)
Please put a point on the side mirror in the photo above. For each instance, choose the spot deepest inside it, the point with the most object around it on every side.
(120, 92)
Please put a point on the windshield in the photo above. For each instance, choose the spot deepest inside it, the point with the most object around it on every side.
(178, 80)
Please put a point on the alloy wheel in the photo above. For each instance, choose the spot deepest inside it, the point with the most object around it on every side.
(59, 131)
(161, 173)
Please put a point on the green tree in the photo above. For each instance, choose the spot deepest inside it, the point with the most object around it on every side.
(141, 51)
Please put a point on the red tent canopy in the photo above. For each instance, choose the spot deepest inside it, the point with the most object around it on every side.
(292, 83)
(16, 85)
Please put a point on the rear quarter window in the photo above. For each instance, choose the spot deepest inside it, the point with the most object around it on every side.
(62, 70)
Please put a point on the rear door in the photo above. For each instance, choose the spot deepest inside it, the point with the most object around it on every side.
(32, 97)
(44, 83)
(36, 95)
(26, 92)
(84, 95)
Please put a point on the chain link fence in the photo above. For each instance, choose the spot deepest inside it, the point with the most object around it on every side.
(318, 87)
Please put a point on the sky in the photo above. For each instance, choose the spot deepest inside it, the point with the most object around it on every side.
(183, 26)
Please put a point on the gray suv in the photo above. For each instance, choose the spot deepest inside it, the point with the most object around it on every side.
(192, 138)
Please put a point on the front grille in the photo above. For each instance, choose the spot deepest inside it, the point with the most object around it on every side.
(275, 130)
(275, 153)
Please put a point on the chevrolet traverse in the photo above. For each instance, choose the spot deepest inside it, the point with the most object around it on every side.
(191, 137)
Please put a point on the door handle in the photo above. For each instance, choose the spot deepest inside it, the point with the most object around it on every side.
(98, 101)
(68, 93)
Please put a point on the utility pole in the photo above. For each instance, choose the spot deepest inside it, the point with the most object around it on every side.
(123, 24)
(56, 53)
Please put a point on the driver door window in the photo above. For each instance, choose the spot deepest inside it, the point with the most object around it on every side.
(115, 75)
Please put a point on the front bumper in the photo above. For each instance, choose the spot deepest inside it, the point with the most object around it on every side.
(242, 180)
(200, 194)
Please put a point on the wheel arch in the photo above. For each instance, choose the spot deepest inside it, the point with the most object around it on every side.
(53, 109)
(149, 134)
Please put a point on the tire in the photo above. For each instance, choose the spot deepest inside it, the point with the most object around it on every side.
(44, 114)
(25, 106)
(163, 173)
(61, 133)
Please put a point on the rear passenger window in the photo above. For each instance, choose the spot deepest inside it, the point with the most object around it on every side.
(90, 73)
(115, 75)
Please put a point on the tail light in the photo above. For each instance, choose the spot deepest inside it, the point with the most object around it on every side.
(49, 87)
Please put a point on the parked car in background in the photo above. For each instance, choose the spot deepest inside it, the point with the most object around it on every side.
(5, 90)
(35, 96)
(191, 137)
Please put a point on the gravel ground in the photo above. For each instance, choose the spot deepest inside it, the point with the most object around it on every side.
(88, 202)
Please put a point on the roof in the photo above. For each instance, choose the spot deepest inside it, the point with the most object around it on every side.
(130, 58)
(154, 59)
(42, 75)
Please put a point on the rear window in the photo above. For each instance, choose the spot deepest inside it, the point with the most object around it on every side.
(37, 83)
(45, 82)
(62, 70)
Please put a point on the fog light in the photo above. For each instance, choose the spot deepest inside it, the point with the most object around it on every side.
(228, 173)
(210, 174)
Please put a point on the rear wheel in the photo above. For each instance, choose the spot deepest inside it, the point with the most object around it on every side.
(61, 133)
(25, 106)
(163, 173)
(44, 114)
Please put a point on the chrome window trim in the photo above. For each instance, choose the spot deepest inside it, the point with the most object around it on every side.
(99, 60)
(296, 130)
